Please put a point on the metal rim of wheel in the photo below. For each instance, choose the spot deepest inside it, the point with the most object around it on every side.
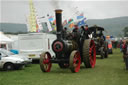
(75, 61)
(45, 63)
(89, 53)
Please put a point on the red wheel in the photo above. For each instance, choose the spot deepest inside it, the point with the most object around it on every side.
(92, 54)
(75, 61)
(89, 53)
(45, 63)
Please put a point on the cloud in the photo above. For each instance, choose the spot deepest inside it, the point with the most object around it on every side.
(16, 10)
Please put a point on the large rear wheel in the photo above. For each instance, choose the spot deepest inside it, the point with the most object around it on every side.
(45, 63)
(89, 53)
(75, 61)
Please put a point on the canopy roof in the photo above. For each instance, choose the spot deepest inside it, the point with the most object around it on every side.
(95, 27)
(4, 38)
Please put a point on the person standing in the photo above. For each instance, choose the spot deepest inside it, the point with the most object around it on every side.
(85, 31)
(86, 27)
(0, 56)
(125, 53)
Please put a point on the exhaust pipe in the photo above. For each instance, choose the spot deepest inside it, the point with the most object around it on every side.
(58, 23)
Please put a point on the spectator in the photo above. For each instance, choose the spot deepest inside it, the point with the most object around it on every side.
(121, 45)
(86, 27)
(125, 54)
(0, 56)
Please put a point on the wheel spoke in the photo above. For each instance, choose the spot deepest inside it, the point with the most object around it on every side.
(46, 61)
(91, 61)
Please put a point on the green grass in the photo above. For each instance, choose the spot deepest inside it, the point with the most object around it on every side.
(110, 71)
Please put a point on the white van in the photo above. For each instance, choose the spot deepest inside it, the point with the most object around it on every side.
(33, 44)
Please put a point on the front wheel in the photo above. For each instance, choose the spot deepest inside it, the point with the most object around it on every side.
(75, 61)
(8, 66)
(45, 64)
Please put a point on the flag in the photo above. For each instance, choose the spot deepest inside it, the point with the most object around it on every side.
(38, 24)
(53, 25)
(80, 16)
(71, 25)
(70, 21)
(82, 22)
(54, 22)
(50, 18)
(64, 23)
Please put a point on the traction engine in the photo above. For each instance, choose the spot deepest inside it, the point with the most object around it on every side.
(69, 53)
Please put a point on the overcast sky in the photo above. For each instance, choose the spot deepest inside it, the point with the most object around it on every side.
(15, 11)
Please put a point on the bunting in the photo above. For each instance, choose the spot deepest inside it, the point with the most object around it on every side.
(71, 23)
(82, 22)
(64, 23)
(80, 16)
(52, 22)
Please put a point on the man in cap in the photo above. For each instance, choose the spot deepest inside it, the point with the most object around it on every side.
(75, 33)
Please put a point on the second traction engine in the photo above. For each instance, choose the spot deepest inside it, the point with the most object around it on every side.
(69, 52)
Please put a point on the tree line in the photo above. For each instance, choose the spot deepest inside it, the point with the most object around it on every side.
(125, 31)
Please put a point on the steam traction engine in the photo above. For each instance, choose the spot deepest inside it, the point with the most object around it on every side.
(69, 52)
(100, 42)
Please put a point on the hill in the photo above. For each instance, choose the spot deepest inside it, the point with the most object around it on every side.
(13, 27)
(113, 26)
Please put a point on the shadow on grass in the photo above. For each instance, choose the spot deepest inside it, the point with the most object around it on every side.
(58, 70)
(15, 70)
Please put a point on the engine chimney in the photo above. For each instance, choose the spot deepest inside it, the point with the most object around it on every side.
(59, 23)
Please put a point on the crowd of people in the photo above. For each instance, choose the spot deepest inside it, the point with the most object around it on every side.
(123, 45)
(75, 33)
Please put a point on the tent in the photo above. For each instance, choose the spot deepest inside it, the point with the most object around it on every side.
(4, 38)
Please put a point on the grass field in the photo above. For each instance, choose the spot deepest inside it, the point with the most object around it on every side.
(110, 71)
